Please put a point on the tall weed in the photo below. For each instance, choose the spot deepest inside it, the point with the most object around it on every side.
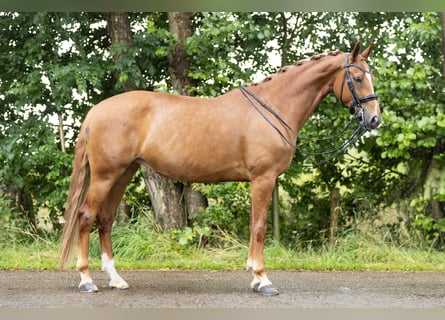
(15, 226)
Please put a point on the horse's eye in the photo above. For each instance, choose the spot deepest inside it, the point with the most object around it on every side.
(358, 79)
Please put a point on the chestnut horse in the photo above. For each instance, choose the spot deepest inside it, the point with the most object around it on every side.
(247, 134)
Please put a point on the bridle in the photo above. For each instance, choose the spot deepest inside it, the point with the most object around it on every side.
(355, 108)
(356, 101)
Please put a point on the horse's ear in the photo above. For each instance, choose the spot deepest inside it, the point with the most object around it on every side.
(367, 51)
(355, 52)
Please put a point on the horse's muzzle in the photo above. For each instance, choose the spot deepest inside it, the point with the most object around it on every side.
(375, 122)
(371, 121)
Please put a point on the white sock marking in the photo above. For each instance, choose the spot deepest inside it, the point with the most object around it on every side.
(108, 266)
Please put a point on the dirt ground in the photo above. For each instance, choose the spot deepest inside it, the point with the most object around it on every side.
(225, 289)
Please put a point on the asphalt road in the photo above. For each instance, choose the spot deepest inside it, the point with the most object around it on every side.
(225, 289)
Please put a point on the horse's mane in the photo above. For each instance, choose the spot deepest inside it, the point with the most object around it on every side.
(296, 64)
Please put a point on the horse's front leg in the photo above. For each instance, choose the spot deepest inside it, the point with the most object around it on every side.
(261, 195)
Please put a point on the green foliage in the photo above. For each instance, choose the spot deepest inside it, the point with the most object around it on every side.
(144, 63)
(429, 230)
(236, 46)
(306, 210)
(61, 64)
(228, 209)
(394, 163)
(33, 164)
(7, 218)
(412, 136)
(194, 236)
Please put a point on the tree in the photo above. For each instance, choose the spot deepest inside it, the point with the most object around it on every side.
(180, 25)
(409, 148)
(118, 26)
(37, 83)
(416, 139)
(165, 194)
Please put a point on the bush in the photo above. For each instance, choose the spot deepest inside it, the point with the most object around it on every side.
(228, 209)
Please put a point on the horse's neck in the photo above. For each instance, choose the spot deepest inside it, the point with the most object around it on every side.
(296, 93)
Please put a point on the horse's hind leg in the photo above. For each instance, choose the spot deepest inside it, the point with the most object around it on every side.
(105, 220)
(98, 192)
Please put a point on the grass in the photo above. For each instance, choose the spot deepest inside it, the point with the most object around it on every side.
(150, 250)
(140, 245)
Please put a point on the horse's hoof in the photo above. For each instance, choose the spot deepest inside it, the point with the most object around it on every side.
(119, 285)
(88, 287)
(268, 290)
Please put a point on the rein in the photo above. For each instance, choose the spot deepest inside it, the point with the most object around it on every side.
(249, 95)
(358, 133)
(355, 108)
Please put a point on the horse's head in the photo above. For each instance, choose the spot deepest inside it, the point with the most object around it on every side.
(354, 87)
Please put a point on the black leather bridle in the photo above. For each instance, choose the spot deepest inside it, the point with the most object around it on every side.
(356, 101)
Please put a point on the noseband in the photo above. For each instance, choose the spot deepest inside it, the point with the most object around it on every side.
(356, 101)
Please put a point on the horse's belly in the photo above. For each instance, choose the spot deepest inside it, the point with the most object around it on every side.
(192, 168)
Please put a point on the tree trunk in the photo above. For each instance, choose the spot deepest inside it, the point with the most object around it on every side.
(195, 203)
(333, 215)
(179, 68)
(164, 194)
(119, 31)
(179, 63)
(434, 185)
(61, 133)
(166, 199)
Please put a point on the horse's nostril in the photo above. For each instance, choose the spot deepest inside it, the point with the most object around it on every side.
(375, 121)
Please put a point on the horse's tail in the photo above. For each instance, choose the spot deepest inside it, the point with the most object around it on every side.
(78, 188)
